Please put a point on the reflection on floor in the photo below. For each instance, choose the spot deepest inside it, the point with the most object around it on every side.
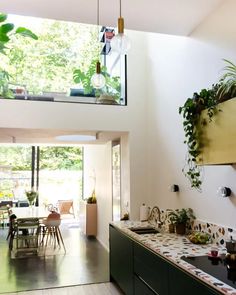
(93, 289)
(85, 262)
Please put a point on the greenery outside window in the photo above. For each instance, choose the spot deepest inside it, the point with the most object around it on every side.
(56, 172)
(45, 70)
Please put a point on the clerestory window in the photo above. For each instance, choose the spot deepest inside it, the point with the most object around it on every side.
(45, 69)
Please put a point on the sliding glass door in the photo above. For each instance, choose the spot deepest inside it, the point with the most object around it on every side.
(60, 174)
(56, 172)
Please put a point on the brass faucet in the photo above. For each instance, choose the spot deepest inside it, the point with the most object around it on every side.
(156, 216)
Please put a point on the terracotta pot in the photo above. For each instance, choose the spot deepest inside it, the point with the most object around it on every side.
(180, 228)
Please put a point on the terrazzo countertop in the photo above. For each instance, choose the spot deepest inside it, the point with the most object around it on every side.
(173, 247)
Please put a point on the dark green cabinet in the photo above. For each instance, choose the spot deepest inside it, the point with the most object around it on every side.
(139, 271)
(152, 269)
(121, 260)
(140, 287)
(180, 282)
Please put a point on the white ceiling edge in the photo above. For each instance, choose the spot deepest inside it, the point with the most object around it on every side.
(178, 17)
(27, 136)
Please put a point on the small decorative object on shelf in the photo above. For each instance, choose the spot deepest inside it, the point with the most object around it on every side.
(31, 196)
(92, 199)
(125, 216)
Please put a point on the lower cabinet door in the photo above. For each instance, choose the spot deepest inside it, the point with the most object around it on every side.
(140, 288)
(152, 269)
(121, 260)
(181, 283)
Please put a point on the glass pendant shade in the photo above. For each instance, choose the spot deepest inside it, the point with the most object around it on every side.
(98, 81)
(120, 42)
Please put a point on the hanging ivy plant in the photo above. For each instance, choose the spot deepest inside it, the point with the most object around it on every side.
(208, 99)
(191, 110)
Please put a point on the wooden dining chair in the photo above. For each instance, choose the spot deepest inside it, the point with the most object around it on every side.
(26, 235)
(4, 212)
(53, 234)
(11, 230)
(66, 207)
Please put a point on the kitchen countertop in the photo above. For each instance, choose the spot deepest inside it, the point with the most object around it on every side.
(173, 247)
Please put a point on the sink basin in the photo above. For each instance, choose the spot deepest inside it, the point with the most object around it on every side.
(144, 230)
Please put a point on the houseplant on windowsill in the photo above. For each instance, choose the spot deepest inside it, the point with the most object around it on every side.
(109, 94)
(180, 218)
(31, 196)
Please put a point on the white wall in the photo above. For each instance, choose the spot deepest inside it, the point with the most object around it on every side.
(179, 66)
(98, 175)
(97, 158)
(132, 119)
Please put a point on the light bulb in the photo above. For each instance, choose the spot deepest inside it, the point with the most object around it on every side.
(120, 43)
(98, 81)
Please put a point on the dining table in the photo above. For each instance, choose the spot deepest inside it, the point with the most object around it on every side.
(28, 212)
(26, 219)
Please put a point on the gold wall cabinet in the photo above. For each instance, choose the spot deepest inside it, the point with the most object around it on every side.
(219, 136)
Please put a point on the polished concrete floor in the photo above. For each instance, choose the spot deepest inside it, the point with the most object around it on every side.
(92, 289)
(85, 262)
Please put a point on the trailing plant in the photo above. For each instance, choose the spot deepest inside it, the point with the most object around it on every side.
(7, 31)
(112, 86)
(208, 99)
(191, 110)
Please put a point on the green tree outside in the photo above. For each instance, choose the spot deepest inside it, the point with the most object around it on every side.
(48, 63)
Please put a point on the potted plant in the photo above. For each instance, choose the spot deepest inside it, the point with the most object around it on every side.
(31, 196)
(227, 88)
(208, 99)
(92, 199)
(180, 218)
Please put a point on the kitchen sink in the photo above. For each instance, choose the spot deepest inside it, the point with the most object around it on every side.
(144, 230)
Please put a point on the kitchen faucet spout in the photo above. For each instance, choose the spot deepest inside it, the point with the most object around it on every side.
(155, 216)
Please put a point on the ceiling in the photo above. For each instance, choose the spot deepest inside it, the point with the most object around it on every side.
(48, 136)
(179, 17)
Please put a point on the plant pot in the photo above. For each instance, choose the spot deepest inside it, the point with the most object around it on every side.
(171, 228)
(180, 228)
(106, 99)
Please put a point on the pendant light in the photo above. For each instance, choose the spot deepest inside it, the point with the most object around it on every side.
(98, 81)
(120, 42)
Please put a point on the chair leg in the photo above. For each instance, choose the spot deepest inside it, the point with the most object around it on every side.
(59, 233)
(11, 240)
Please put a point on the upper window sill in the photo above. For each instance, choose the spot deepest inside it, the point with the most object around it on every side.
(65, 99)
